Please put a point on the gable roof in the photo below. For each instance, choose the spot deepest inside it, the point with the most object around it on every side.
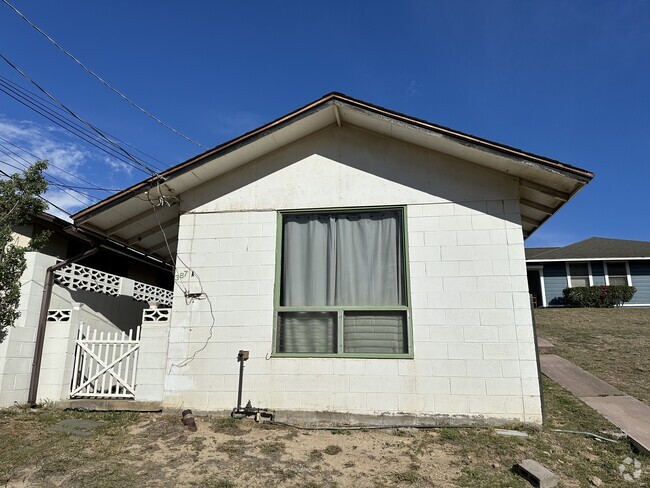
(592, 248)
(130, 216)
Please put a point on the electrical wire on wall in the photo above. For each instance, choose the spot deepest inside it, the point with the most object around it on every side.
(189, 297)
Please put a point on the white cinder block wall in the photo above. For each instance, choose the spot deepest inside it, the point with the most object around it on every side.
(17, 350)
(473, 339)
(101, 312)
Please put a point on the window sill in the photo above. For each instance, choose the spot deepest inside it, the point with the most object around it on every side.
(341, 356)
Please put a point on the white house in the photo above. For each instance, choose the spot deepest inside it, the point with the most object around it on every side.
(372, 264)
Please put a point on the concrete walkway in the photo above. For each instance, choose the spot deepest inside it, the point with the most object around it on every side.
(627, 413)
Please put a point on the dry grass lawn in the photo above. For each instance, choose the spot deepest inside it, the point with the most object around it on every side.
(613, 344)
(156, 450)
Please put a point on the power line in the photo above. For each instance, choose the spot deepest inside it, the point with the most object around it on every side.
(39, 196)
(28, 94)
(63, 186)
(65, 124)
(91, 126)
(60, 183)
(50, 164)
(100, 79)
(8, 152)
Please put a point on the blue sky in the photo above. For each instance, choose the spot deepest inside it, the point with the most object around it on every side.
(566, 80)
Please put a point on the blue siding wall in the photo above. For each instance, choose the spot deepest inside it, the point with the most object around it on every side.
(554, 282)
(640, 271)
(598, 272)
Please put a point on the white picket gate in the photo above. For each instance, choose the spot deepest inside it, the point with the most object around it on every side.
(105, 364)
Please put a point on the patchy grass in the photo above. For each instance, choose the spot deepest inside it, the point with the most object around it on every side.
(155, 450)
(131, 449)
(613, 344)
(272, 448)
(332, 450)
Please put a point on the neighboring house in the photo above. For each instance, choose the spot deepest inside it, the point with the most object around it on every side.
(372, 263)
(107, 293)
(594, 261)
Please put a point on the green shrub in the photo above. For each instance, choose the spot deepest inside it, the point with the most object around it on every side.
(598, 296)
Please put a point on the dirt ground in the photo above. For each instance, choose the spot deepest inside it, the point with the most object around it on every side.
(155, 450)
(130, 449)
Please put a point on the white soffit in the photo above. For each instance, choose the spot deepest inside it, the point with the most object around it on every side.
(130, 217)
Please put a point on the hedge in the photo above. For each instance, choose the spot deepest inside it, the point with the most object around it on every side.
(598, 296)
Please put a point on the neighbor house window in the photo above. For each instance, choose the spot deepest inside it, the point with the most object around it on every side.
(342, 284)
(616, 273)
(579, 274)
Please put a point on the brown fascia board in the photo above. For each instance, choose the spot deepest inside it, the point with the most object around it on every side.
(52, 222)
(579, 174)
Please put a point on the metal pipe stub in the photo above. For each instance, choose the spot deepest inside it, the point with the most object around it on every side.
(248, 411)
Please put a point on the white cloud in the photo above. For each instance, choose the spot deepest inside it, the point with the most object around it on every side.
(67, 200)
(70, 159)
(120, 166)
(38, 142)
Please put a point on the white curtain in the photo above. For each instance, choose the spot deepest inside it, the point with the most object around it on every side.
(342, 259)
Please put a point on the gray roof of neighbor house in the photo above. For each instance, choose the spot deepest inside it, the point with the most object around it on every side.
(592, 248)
(130, 216)
(533, 252)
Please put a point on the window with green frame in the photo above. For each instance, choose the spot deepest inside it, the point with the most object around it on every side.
(342, 284)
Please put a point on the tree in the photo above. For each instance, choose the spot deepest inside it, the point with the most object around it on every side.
(20, 202)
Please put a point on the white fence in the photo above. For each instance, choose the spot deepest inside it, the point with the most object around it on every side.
(105, 364)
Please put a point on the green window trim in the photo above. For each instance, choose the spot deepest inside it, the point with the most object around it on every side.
(341, 310)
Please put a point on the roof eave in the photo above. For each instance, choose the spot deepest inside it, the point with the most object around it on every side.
(577, 174)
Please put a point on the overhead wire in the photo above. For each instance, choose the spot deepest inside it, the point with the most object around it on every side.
(58, 181)
(39, 196)
(50, 164)
(67, 125)
(80, 119)
(99, 78)
(42, 101)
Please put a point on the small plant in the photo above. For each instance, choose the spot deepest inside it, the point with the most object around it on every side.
(233, 447)
(272, 448)
(341, 432)
(449, 434)
(225, 423)
(409, 476)
(213, 483)
(315, 455)
(332, 450)
(197, 444)
(228, 426)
